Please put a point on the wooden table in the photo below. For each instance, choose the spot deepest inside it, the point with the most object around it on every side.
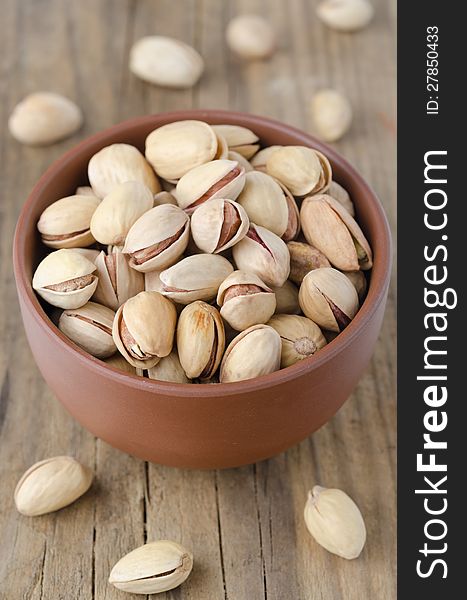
(245, 526)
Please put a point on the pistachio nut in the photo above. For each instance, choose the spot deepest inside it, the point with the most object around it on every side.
(327, 297)
(222, 147)
(239, 139)
(90, 328)
(166, 61)
(300, 337)
(218, 224)
(164, 198)
(287, 299)
(196, 277)
(43, 118)
(118, 282)
(84, 190)
(158, 238)
(153, 568)
(144, 329)
(342, 196)
(250, 37)
(326, 174)
(66, 222)
(242, 161)
(119, 210)
(331, 113)
(264, 202)
(260, 159)
(293, 215)
(327, 225)
(118, 163)
(245, 300)
(359, 281)
(176, 148)
(345, 15)
(51, 484)
(299, 168)
(252, 353)
(303, 259)
(335, 522)
(65, 279)
(116, 361)
(169, 369)
(263, 253)
(215, 179)
(200, 340)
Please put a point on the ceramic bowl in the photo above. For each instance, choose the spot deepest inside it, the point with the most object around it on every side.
(200, 426)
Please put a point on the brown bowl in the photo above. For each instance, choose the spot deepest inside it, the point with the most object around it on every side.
(199, 426)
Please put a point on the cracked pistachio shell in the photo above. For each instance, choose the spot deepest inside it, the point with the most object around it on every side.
(169, 369)
(252, 353)
(153, 568)
(176, 148)
(200, 340)
(242, 161)
(116, 361)
(144, 329)
(66, 222)
(263, 253)
(245, 300)
(287, 299)
(328, 298)
(298, 168)
(259, 160)
(251, 37)
(165, 61)
(119, 210)
(215, 179)
(51, 484)
(345, 15)
(65, 278)
(196, 277)
(118, 163)
(335, 521)
(118, 282)
(331, 113)
(218, 224)
(44, 118)
(303, 259)
(164, 198)
(330, 228)
(300, 338)
(342, 196)
(90, 328)
(158, 238)
(265, 202)
(239, 139)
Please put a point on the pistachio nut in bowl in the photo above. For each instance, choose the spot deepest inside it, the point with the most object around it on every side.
(201, 423)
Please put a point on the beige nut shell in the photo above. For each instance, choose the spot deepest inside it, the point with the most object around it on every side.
(90, 327)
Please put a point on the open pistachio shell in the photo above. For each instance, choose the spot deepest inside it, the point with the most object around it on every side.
(196, 277)
(263, 253)
(200, 340)
(90, 327)
(222, 151)
(328, 226)
(336, 191)
(117, 280)
(238, 138)
(144, 328)
(65, 279)
(169, 369)
(254, 352)
(299, 168)
(176, 148)
(215, 179)
(158, 238)
(118, 163)
(300, 337)
(245, 300)
(328, 298)
(119, 210)
(66, 222)
(287, 299)
(218, 224)
(293, 215)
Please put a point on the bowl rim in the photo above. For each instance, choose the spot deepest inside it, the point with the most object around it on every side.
(376, 294)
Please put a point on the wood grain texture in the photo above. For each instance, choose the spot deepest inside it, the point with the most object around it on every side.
(244, 526)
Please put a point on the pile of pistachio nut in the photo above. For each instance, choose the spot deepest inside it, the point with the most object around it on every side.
(208, 259)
